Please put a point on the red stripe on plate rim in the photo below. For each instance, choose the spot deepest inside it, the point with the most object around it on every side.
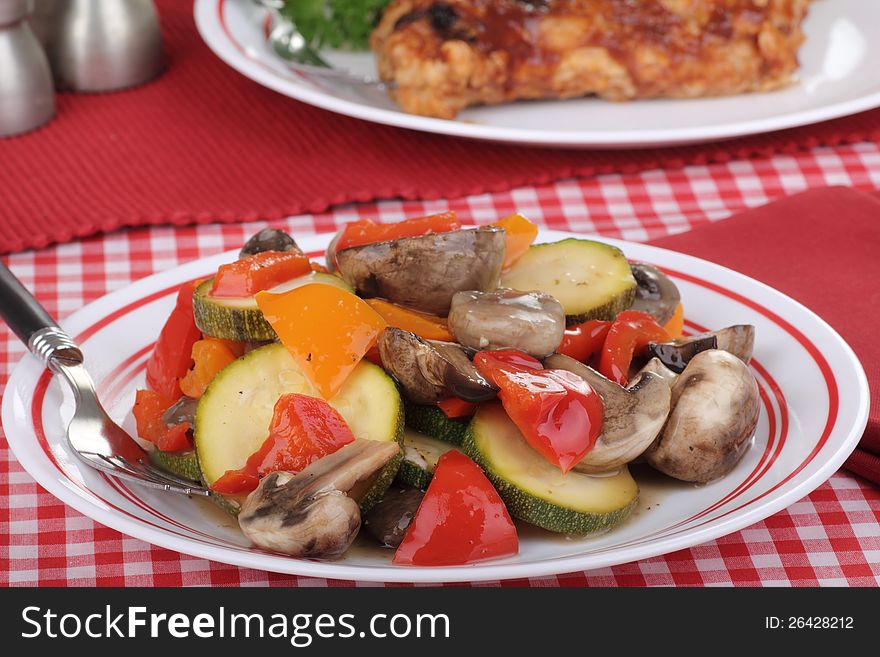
(807, 344)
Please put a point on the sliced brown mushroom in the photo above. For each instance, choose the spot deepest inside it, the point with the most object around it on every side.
(655, 366)
(677, 354)
(738, 340)
(425, 272)
(390, 518)
(429, 370)
(269, 239)
(310, 514)
(632, 419)
(532, 322)
(715, 408)
(656, 294)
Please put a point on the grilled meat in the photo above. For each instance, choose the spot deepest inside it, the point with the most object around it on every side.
(447, 55)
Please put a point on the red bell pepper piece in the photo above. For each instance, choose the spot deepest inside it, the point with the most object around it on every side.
(172, 355)
(149, 406)
(461, 519)
(490, 362)
(455, 407)
(584, 341)
(366, 231)
(558, 413)
(148, 409)
(374, 356)
(303, 429)
(235, 482)
(262, 271)
(175, 439)
(630, 332)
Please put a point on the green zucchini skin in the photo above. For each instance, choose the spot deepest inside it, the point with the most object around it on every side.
(186, 465)
(241, 319)
(420, 456)
(433, 422)
(229, 504)
(386, 476)
(411, 474)
(605, 312)
(592, 280)
(181, 464)
(228, 322)
(542, 510)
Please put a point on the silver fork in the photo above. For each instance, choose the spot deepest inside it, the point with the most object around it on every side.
(288, 43)
(93, 436)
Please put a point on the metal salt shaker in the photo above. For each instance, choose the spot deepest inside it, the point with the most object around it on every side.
(104, 45)
(27, 97)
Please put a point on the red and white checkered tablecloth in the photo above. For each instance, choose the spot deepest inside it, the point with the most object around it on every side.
(831, 537)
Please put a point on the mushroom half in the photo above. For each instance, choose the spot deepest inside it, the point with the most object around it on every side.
(313, 513)
(656, 294)
(424, 272)
(269, 239)
(715, 408)
(531, 322)
(430, 370)
(632, 416)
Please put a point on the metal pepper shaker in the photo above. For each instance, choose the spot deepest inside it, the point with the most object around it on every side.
(105, 45)
(42, 19)
(27, 97)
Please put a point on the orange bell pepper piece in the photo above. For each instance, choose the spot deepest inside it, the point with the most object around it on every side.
(209, 356)
(675, 326)
(519, 233)
(237, 348)
(327, 330)
(175, 439)
(424, 325)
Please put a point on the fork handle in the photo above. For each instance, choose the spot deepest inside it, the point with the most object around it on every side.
(31, 323)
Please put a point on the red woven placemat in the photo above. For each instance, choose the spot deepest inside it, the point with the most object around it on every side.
(202, 144)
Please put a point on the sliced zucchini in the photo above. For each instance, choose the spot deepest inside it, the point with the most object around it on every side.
(233, 416)
(590, 279)
(186, 465)
(536, 491)
(182, 464)
(240, 318)
(420, 456)
(433, 422)
(372, 407)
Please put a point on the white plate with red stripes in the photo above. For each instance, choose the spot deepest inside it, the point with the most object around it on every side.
(839, 76)
(814, 409)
